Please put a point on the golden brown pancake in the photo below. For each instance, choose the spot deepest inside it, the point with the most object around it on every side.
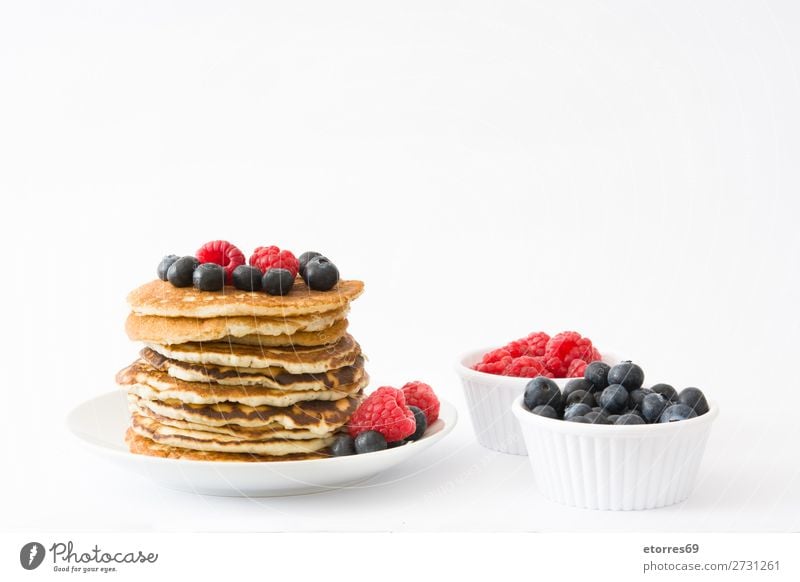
(177, 330)
(207, 441)
(163, 299)
(145, 446)
(329, 335)
(276, 378)
(295, 360)
(145, 381)
(317, 416)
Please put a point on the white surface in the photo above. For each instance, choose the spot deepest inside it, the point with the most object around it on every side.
(627, 169)
(100, 424)
(615, 467)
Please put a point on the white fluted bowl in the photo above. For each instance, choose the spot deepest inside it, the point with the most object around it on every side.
(489, 398)
(612, 467)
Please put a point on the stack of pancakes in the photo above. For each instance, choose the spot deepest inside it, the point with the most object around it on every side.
(241, 376)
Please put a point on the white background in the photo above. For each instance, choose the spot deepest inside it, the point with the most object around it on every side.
(626, 169)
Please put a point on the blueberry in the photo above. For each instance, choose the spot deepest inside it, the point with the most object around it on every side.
(614, 398)
(422, 423)
(628, 374)
(596, 418)
(164, 266)
(247, 278)
(581, 419)
(581, 396)
(629, 419)
(277, 281)
(303, 260)
(597, 374)
(369, 442)
(576, 410)
(634, 412)
(636, 396)
(343, 446)
(613, 418)
(395, 444)
(208, 277)
(666, 391)
(694, 399)
(652, 407)
(676, 412)
(321, 274)
(180, 272)
(577, 384)
(546, 411)
(543, 390)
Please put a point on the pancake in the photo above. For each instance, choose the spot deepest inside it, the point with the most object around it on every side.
(144, 446)
(276, 432)
(163, 299)
(145, 381)
(276, 378)
(176, 330)
(318, 416)
(207, 441)
(329, 335)
(295, 360)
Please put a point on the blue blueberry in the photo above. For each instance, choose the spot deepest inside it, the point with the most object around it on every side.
(576, 410)
(181, 271)
(676, 412)
(636, 396)
(596, 374)
(369, 442)
(694, 399)
(247, 278)
(343, 446)
(629, 419)
(614, 398)
(581, 419)
(612, 418)
(395, 444)
(576, 384)
(666, 391)
(321, 274)
(546, 411)
(277, 281)
(164, 266)
(422, 423)
(596, 418)
(208, 277)
(627, 374)
(543, 390)
(652, 407)
(303, 260)
(581, 396)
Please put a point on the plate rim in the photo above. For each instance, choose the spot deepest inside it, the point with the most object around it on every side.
(445, 405)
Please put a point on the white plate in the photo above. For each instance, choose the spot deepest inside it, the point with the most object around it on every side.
(100, 424)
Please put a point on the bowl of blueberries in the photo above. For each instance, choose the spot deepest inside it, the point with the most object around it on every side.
(608, 441)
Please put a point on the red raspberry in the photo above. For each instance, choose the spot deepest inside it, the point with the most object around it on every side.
(526, 367)
(385, 411)
(565, 347)
(494, 362)
(556, 368)
(537, 342)
(596, 356)
(421, 395)
(274, 258)
(222, 253)
(576, 368)
(518, 348)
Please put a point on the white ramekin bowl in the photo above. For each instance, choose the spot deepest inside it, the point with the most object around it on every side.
(489, 398)
(614, 467)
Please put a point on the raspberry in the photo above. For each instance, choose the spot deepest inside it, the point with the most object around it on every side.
(555, 367)
(526, 367)
(537, 342)
(222, 253)
(384, 411)
(494, 362)
(565, 347)
(576, 368)
(421, 395)
(274, 258)
(518, 348)
(596, 356)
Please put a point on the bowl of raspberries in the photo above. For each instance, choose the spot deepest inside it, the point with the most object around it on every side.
(608, 440)
(493, 378)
